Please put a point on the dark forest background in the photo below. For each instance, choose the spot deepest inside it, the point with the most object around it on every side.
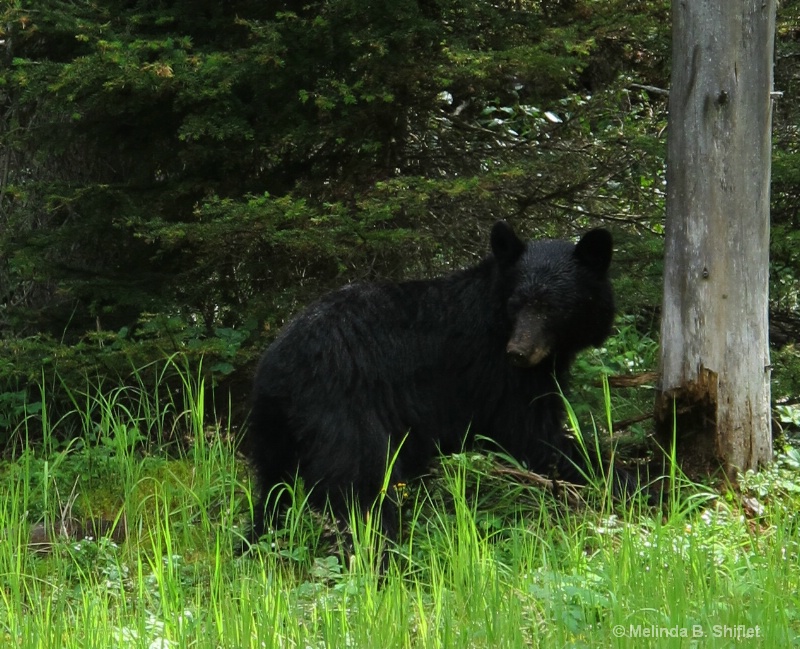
(179, 177)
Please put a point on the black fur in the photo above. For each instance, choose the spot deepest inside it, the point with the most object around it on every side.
(482, 351)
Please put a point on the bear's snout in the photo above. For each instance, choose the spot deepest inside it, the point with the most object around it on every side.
(519, 357)
(529, 344)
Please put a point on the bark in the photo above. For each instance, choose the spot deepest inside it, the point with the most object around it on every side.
(714, 356)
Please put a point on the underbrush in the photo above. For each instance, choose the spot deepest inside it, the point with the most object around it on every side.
(111, 539)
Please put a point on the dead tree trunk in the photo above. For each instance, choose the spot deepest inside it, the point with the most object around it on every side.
(714, 336)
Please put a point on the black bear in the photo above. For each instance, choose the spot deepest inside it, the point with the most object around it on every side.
(375, 372)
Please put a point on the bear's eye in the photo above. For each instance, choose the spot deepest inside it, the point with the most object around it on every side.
(515, 303)
(534, 302)
(519, 303)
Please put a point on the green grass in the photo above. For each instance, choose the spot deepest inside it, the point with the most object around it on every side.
(488, 559)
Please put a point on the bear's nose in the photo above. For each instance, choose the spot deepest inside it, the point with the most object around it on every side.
(517, 359)
(525, 356)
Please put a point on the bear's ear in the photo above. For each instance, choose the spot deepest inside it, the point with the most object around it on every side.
(506, 246)
(594, 250)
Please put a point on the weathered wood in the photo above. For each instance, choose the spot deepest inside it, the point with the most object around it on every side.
(714, 331)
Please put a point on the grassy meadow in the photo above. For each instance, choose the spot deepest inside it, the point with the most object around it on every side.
(128, 535)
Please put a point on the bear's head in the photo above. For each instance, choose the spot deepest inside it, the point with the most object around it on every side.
(558, 297)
